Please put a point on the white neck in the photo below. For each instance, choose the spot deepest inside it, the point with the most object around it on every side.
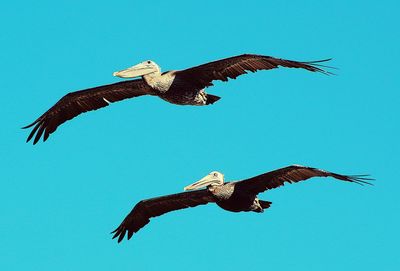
(159, 82)
(152, 78)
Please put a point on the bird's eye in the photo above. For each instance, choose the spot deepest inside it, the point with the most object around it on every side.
(215, 174)
(148, 62)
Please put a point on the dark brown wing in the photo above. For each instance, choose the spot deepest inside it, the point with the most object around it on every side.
(293, 174)
(146, 209)
(203, 75)
(75, 103)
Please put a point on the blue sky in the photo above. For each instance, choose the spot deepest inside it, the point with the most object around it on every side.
(59, 200)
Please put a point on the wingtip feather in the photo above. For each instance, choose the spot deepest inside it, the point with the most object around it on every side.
(32, 133)
(30, 125)
(318, 67)
(361, 179)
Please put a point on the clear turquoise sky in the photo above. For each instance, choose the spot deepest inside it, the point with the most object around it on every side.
(60, 200)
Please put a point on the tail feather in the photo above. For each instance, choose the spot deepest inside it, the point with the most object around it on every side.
(265, 204)
(212, 99)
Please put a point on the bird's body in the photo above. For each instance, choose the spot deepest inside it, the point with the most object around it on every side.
(237, 196)
(181, 87)
(234, 200)
(172, 88)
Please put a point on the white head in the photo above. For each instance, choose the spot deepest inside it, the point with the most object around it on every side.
(143, 68)
(213, 178)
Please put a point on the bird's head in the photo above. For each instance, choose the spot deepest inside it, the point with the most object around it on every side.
(141, 69)
(214, 178)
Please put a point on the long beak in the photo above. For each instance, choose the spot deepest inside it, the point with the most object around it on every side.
(204, 182)
(135, 71)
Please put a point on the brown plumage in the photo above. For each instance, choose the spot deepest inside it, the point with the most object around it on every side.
(146, 209)
(75, 103)
(185, 87)
(202, 76)
(238, 196)
(293, 174)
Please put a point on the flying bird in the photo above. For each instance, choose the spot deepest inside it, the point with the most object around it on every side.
(237, 196)
(181, 87)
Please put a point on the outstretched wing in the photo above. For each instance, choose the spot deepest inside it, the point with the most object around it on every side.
(203, 75)
(75, 103)
(293, 174)
(146, 209)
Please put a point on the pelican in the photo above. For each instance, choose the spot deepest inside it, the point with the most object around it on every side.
(181, 87)
(237, 196)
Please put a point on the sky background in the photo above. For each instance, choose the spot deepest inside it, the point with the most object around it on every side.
(59, 200)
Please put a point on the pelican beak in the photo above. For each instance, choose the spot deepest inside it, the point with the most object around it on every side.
(204, 182)
(135, 71)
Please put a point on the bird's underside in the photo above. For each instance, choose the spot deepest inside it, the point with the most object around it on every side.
(193, 97)
(183, 87)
